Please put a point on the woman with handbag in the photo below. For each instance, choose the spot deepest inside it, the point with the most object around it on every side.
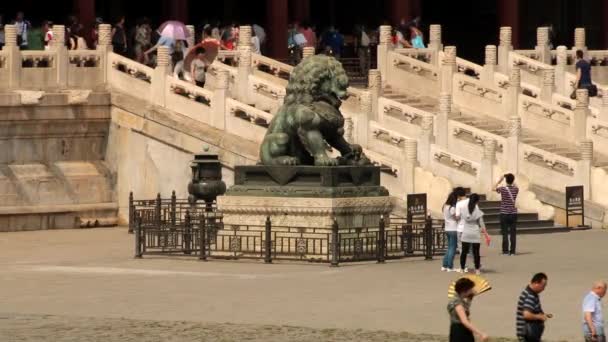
(461, 328)
(473, 228)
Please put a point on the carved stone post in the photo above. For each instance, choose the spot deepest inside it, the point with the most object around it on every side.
(542, 45)
(407, 169)
(512, 148)
(603, 113)
(435, 43)
(383, 48)
(61, 55)
(365, 114)
(244, 68)
(448, 68)
(159, 76)
(560, 70)
(443, 117)
(218, 103)
(190, 39)
(504, 48)
(485, 175)
(308, 51)
(546, 91)
(584, 166)
(374, 85)
(579, 40)
(104, 46)
(425, 140)
(512, 103)
(579, 122)
(14, 56)
(489, 67)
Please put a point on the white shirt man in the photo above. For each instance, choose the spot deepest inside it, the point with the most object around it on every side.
(593, 316)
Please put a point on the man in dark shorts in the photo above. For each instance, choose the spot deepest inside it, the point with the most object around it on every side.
(508, 213)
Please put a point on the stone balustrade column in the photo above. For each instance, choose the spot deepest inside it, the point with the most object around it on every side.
(408, 163)
(579, 40)
(61, 55)
(425, 140)
(245, 69)
(244, 36)
(447, 70)
(581, 111)
(192, 35)
(505, 46)
(374, 85)
(363, 118)
(485, 175)
(512, 101)
(384, 46)
(585, 166)
(443, 117)
(104, 46)
(512, 148)
(218, 103)
(489, 67)
(603, 113)
(542, 45)
(435, 43)
(548, 79)
(308, 52)
(13, 61)
(560, 70)
(159, 76)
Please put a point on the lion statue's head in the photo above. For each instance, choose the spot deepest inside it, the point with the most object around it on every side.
(315, 78)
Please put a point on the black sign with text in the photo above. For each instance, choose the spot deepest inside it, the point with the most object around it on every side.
(575, 203)
(416, 206)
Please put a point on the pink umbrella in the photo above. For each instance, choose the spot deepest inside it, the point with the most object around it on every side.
(174, 29)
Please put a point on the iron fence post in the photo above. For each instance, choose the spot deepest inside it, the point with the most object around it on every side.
(268, 242)
(138, 251)
(131, 212)
(173, 208)
(428, 239)
(380, 250)
(202, 239)
(409, 238)
(157, 207)
(187, 237)
(335, 245)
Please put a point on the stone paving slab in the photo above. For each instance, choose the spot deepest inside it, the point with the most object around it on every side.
(91, 273)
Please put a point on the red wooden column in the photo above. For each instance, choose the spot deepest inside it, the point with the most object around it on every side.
(301, 10)
(604, 21)
(276, 23)
(85, 12)
(508, 15)
(178, 10)
(402, 9)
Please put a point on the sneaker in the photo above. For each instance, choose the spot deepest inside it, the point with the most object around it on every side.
(477, 271)
(444, 269)
(452, 270)
(466, 270)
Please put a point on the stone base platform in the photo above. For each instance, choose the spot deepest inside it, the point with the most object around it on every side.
(306, 197)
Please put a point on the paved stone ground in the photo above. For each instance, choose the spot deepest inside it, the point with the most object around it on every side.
(84, 285)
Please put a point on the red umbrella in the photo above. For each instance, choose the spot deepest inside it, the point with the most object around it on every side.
(211, 46)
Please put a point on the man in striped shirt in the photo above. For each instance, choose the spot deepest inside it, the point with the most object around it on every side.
(530, 318)
(508, 213)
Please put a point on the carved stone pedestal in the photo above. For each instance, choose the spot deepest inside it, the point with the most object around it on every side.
(307, 197)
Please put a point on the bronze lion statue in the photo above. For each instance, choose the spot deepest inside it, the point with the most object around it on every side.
(310, 118)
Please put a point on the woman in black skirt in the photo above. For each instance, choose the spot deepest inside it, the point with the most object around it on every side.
(461, 328)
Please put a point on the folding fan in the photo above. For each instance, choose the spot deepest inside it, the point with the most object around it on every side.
(481, 285)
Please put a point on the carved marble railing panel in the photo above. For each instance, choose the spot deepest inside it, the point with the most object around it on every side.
(188, 99)
(454, 167)
(85, 69)
(468, 68)
(563, 101)
(217, 66)
(386, 164)
(548, 115)
(532, 54)
(412, 65)
(129, 76)
(84, 58)
(271, 66)
(400, 117)
(555, 170)
(4, 71)
(531, 69)
(246, 121)
(468, 141)
(466, 85)
(228, 57)
(598, 132)
(37, 59)
(380, 133)
(423, 55)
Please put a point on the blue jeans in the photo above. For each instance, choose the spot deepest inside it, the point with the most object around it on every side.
(448, 258)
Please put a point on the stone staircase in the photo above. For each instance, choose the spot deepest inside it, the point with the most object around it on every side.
(528, 223)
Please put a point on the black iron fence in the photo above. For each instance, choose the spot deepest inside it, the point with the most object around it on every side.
(174, 227)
